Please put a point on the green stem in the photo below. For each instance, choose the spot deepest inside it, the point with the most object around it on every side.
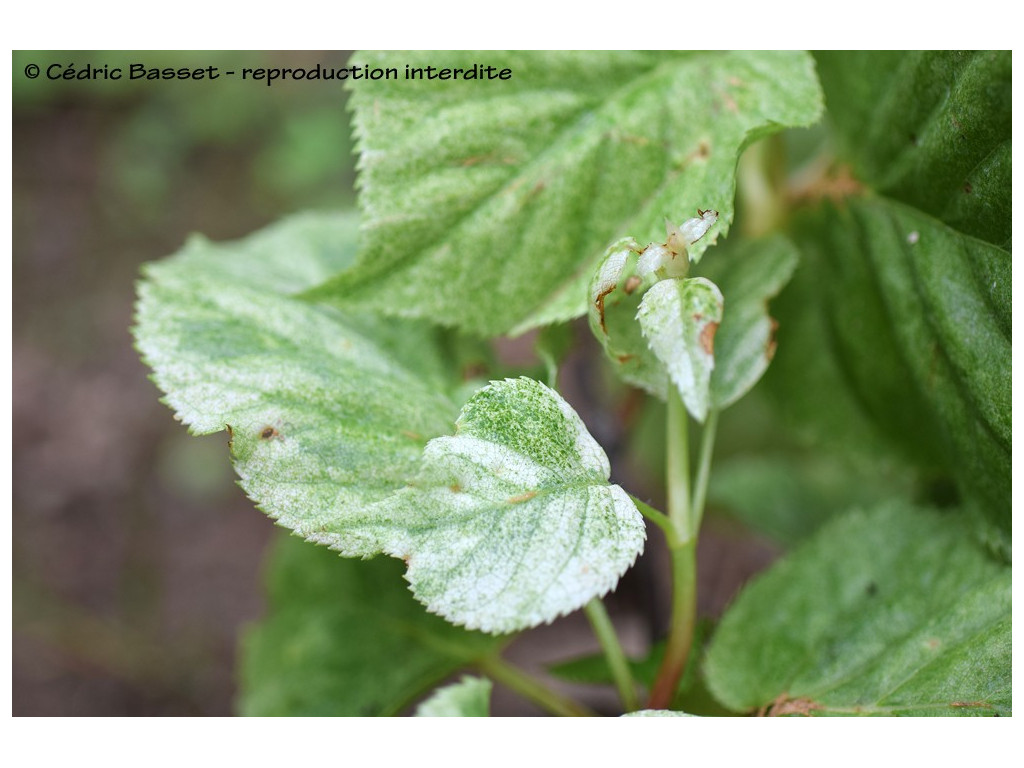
(680, 636)
(613, 653)
(519, 681)
(678, 468)
(657, 517)
(700, 489)
(683, 549)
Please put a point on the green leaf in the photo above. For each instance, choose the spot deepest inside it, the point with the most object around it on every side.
(615, 292)
(788, 497)
(744, 344)
(904, 308)
(657, 713)
(512, 521)
(470, 697)
(679, 318)
(891, 611)
(328, 411)
(717, 348)
(345, 637)
(930, 129)
(509, 191)
(918, 317)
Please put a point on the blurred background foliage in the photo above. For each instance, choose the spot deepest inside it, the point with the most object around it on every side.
(125, 597)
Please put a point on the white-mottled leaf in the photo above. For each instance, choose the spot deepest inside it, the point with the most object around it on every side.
(657, 713)
(512, 521)
(616, 290)
(328, 411)
(470, 697)
(679, 318)
(510, 189)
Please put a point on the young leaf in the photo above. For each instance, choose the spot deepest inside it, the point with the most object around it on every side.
(614, 297)
(528, 179)
(511, 522)
(470, 697)
(744, 344)
(328, 412)
(345, 637)
(892, 611)
(679, 318)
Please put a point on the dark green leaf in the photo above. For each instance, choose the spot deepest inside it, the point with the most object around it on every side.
(893, 611)
(930, 129)
(918, 317)
(345, 637)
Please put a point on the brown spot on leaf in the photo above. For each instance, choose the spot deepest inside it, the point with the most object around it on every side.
(832, 182)
(966, 704)
(455, 488)
(490, 157)
(783, 705)
(707, 337)
(599, 303)
(640, 141)
(968, 188)
(521, 497)
(412, 435)
(632, 283)
(268, 433)
(769, 350)
(623, 359)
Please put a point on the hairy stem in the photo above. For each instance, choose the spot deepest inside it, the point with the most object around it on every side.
(530, 687)
(613, 653)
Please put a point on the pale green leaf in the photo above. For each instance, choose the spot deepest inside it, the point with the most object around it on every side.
(345, 638)
(328, 411)
(657, 713)
(487, 203)
(614, 296)
(890, 612)
(679, 318)
(512, 521)
(470, 697)
(744, 344)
